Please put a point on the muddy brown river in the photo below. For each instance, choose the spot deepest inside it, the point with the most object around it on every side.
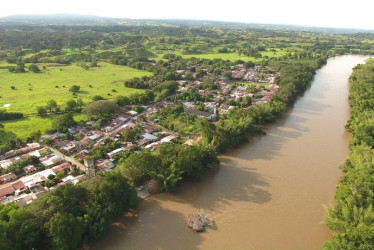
(269, 193)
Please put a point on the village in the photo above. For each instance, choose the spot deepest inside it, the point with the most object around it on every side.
(69, 158)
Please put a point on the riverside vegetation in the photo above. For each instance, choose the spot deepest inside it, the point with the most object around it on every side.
(352, 215)
(70, 215)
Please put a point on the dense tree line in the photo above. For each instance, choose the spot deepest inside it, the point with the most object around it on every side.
(352, 216)
(4, 115)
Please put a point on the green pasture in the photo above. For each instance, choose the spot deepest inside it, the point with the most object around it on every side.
(35, 89)
(22, 128)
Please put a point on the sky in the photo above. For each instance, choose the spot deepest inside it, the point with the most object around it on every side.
(318, 13)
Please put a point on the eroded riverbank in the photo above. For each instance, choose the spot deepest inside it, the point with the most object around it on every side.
(268, 193)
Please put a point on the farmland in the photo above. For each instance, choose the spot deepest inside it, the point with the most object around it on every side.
(35, 89)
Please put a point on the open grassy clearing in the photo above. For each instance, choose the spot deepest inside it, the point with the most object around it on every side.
(35, 89)
(22, 128)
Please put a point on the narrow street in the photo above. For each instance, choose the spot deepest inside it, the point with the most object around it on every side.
(68, 158)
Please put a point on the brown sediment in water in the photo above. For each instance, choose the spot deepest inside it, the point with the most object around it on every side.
(269, 193)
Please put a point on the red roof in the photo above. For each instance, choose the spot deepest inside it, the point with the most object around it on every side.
(6, 189)
(28, 198)
(18, 185)
(61, 184)
(61, 167)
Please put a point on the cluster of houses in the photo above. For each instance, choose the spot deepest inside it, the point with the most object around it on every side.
(149, 137)
(26, 186)
(255, 83)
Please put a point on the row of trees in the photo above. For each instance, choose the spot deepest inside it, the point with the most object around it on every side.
(20, 68)
(352, 216)
(102, 109)
(52, 107)
(4, 115)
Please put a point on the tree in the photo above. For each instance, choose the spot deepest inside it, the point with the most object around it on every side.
(71, 105)
(227, 74)
(18, 230)
(207, 129)
(115, 193)
(138, 109)
(74, 88)
(140, 165)
(168, 173)
(60, 175)
(48, 141)
(63, 122)
(128, 135)
(36, 135)
(102, 108)
(190, 162)
(34, 68)
(249, 64)
(97, 98)
(52, 105)
(80, 103)
(41, 111)
(17, 167)
(111, 197)
(20, 68)
(66, 231)
(96, 220)
(122, 100)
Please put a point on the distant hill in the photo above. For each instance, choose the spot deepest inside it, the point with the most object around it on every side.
(54, 19)
(73, 19)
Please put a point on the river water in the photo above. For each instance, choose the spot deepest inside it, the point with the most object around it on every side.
(269, 193)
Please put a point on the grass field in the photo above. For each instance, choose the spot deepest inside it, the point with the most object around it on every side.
(22, 128)
(236, 56)
(35, 89)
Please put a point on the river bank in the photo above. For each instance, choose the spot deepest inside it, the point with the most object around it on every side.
(266, 194)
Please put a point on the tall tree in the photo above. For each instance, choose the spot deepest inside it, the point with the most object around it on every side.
(52, 105)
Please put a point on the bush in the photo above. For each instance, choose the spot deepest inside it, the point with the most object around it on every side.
(41, 111)
(74, 88)
(34, 68)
